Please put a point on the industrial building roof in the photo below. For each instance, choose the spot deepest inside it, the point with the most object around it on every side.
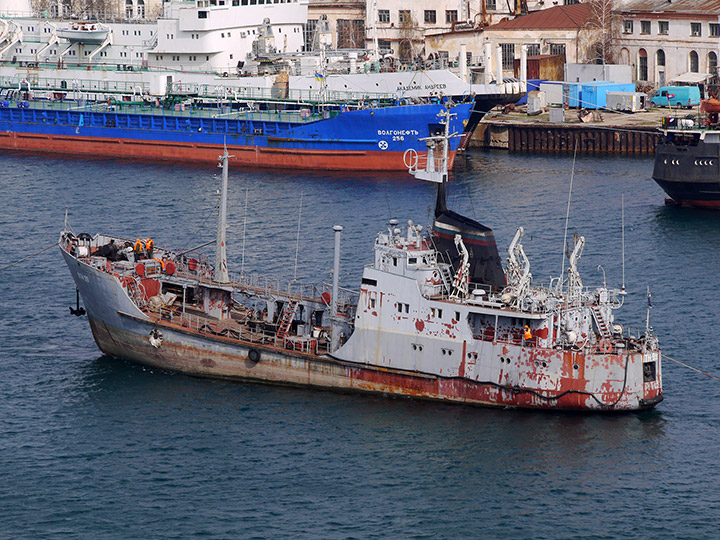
(558, 17)
(670, 6)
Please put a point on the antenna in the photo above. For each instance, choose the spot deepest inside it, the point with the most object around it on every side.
(567, 218)
(297, 240)
(622, 207)
(242, 262)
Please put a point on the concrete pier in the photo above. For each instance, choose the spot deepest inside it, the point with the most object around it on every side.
(614, 133)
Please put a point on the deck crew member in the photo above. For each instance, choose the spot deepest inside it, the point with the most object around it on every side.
(528, 333)
(138, 249)
(149, 248)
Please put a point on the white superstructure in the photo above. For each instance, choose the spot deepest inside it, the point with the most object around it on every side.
(204, 35)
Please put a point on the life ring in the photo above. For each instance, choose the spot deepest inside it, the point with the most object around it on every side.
(434, 279)
(411, 158)
(605, 346)
(254, 356)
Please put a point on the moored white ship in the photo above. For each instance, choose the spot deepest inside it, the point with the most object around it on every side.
(452, 328)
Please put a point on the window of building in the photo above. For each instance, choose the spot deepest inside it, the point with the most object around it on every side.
(663, 27)
(451, 16)
(712, 62)
(627, 27)
(694, 62)
(490, 5)
(695, 29)
(533, 49)
(642, 65)
(644, 27)
(202, 14)
(404, 16)
(350, 33)
(384, 15)
(129, 10)
(557, 48)
(141, 8)
(310, 28)
(714, 30)
(508, 55)
(385, 47)
(570, 2)
(660, 58)
(430, 16)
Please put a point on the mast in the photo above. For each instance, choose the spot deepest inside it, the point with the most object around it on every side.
(221, 268)
(334, 325)
(375, 52)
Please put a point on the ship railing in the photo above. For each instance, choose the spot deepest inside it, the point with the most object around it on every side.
(304, 115)
(72, 84)
(687, 122)
(243, 93)
(252, 331)
(272, 286)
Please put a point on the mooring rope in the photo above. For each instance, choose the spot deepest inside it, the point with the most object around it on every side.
(690, 367)
(28, 257)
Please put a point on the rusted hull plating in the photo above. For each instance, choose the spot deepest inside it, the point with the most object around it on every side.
(187, 352)
(252, 156)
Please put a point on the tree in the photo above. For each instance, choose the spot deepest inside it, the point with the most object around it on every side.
(600, 32)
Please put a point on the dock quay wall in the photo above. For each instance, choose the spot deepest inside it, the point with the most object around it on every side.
(546, 137)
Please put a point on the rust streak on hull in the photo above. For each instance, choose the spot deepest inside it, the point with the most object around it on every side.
(292, 368)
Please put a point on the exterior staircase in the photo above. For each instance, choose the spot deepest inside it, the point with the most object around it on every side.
(446, 275)
(137, 292)
(287, 318)
(601, 322)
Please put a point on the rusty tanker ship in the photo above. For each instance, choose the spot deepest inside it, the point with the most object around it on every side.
(436, 317)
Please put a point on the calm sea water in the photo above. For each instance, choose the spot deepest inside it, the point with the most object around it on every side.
(95, 447)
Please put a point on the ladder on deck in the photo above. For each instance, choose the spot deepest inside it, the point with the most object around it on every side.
(287, 318)
(137, 293)
(446, 274)
(600, 322)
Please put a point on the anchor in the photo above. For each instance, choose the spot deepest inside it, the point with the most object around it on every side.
(77, 310)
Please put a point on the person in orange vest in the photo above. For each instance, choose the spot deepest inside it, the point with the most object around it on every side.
(528, 333)
(149, 248)
(138, 249)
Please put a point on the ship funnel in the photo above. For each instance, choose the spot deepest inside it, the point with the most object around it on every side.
(484, 265)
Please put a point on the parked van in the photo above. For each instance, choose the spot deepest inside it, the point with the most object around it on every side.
(677, 96)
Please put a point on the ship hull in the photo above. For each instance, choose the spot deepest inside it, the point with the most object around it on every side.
(123, 331)
(688, 171)
(187, 152)
(185, 352)
(371, 139)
